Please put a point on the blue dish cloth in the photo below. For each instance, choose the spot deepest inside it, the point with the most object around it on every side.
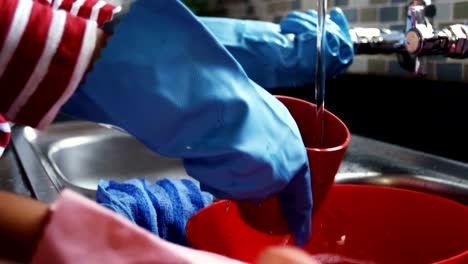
(162, 208)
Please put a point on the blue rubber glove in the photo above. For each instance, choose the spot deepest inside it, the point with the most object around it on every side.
(165, 79)
(284, 55)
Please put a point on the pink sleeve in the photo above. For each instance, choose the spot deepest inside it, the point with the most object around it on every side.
(81, 231)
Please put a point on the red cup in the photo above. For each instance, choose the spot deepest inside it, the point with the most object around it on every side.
(356, 224)
(324, 162)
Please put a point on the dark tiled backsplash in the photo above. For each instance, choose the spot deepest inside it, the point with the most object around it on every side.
(460, 10)
(366, 13)
(465, 74)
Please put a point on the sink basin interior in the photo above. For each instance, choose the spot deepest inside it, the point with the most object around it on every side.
(78, 155)
(82, 161)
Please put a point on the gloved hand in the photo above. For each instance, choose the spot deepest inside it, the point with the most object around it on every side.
(284, 55)
(339, 50)
(166, 80)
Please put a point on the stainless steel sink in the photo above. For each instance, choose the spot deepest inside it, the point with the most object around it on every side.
(78, 154)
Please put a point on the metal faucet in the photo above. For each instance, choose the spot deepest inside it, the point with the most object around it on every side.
(418, 40)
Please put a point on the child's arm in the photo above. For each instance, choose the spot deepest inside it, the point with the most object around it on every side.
(77, 230)
(21, 222)
(44, 54)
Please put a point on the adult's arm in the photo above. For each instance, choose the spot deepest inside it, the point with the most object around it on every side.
(44, 54)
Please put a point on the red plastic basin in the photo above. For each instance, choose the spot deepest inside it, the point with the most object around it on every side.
(356, 224)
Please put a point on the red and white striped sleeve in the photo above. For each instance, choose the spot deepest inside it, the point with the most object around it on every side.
(94, 10)
(4, 134)
(44, 54)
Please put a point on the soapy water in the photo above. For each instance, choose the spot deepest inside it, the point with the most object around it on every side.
(320, 74)
(333, 259)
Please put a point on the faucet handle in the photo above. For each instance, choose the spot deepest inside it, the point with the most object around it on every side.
(421, 40)
(419, 31)
(450, 42)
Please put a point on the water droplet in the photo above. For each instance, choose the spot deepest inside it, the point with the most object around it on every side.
(188, 147)
(227, 206)
(342, 241)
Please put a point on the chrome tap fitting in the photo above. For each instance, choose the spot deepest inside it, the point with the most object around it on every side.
(416, 20)
(423, 40)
